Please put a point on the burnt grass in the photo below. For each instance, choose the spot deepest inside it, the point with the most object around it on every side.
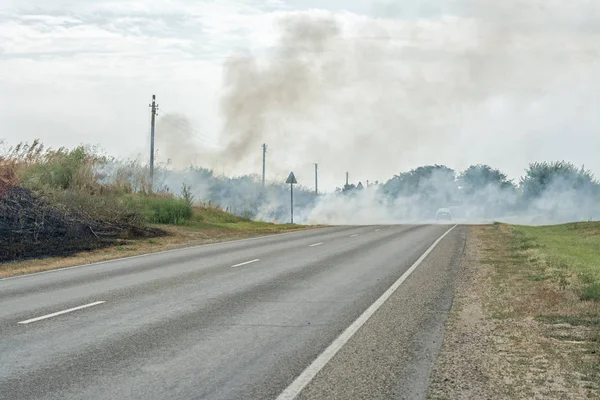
(32, 227)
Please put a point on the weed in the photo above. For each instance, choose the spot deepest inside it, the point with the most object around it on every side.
(561, 280)
(591, 292)
(567, 337)
(591, 320)
(186, 194)
(586, 277)
(537, 277)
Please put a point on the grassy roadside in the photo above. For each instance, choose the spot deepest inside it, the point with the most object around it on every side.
(206, 225)
(526, 318)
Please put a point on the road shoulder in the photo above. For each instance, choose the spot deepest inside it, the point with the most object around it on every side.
(392, 355)
(461, 371)
(177, 239)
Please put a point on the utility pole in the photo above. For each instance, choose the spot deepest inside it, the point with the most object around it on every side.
(152, 121)
(347, 178)
(264, 148)
(316, 179)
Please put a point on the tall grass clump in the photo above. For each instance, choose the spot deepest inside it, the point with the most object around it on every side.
(39, 168)
(162, 209)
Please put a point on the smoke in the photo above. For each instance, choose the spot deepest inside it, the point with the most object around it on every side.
(363, 208)
(487, 81)
(177, 141)
(260, 98)
(559, 199)
(381, 95)
(548, 193)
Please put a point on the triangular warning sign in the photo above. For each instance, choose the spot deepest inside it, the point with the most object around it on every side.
(291, 178)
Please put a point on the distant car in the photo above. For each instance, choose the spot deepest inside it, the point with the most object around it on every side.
(443, 214)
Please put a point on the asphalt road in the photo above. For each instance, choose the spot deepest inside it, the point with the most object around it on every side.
(238, 320)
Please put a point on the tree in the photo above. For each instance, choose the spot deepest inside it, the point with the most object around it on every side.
(348, 188)
(421, 191)
(558, 176)
(478, 177)
(487, 192)
(560, 190)
(425, 181)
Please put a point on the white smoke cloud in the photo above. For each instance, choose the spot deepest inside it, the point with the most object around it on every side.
(383, 95)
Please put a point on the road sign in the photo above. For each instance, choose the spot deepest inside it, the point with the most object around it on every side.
(291, 179)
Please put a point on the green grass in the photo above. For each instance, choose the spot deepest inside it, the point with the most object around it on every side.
(570, 249)
(214, 218)
(162, 210)
(590, 320)
(591, 292)
(537, 277)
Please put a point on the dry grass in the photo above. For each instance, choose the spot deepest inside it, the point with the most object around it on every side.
(531, 291)
(519, 328)
(178, 238)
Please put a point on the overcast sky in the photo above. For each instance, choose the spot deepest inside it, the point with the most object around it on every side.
(453, 82)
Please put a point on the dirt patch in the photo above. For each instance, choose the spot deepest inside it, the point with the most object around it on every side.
(463, 370)
(507, 337)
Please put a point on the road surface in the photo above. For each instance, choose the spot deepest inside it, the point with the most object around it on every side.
(237, 320)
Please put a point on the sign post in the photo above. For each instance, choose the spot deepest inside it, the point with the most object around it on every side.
(291, 180)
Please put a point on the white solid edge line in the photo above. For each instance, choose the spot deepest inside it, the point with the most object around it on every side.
(377, 230)
(245, 263)
(316, 244)
(355, 235)
(157, 253)
(311, 371)
(61, 312)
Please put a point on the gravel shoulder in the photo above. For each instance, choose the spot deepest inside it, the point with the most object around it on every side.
(391, 356)
(462, 370)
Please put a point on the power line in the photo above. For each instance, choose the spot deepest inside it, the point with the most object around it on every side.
(187, 129)
(183, 125)
(205, 140)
